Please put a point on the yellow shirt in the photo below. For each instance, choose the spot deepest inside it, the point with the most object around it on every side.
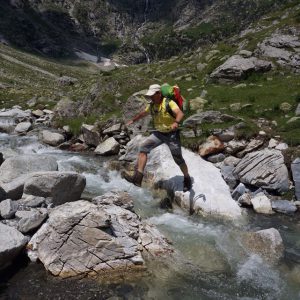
(161, 118)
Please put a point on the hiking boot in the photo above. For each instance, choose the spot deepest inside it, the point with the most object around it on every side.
(136, 178)
(187, 183)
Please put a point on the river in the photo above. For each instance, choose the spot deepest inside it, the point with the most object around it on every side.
(218, 268)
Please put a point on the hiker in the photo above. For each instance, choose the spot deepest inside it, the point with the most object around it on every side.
(166, 118)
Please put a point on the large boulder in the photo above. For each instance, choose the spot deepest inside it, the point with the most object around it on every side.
(60, 186)
(134, 105)
(295, 166)
(12, 242)
(209, 116)
(209, 194)
(23, 127)
(52, 138)
(108, 147)
(105, 238)
(15, 170)
(237, 68)
(91, 135)
(264, 169)
(282, 47)
(267, 243)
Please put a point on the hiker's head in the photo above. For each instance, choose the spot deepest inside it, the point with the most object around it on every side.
(154, 93)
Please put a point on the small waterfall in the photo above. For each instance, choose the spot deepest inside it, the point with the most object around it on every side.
(137, 35)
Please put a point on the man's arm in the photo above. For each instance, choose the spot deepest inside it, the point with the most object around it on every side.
(178, 117)
(137, 117)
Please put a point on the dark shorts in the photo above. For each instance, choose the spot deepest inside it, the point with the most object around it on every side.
(172, 139)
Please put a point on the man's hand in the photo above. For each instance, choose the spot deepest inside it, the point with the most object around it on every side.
(129, 122)
(174, 126)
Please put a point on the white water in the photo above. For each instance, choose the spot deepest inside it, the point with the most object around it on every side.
(220, 267)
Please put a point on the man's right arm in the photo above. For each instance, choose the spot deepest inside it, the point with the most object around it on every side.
(137, 117)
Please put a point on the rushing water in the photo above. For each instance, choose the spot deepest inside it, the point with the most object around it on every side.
(214, 265)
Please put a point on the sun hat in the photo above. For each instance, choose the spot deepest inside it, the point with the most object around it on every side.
(153, 89)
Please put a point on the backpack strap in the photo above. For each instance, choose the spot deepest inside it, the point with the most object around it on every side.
(168, 108)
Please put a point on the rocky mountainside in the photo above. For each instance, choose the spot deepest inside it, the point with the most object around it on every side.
(132, 31)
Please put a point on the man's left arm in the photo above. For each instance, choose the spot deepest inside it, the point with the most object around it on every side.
(178, 116)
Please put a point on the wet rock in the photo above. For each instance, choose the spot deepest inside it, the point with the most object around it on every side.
(52, 138)
(202, 199)
(8, 209)
(227, 173)
(104, 238)
(33, 221)
(262, 204)
(211, 146)
(266, 243)
(239, 191)
(284, 206)
(245, 199)
(295, 166)
(237, 68)
(12, 242)
(23, 127)
(91, 135)
(60, 186)
(108, 147)
(16, 166)
(264, 169)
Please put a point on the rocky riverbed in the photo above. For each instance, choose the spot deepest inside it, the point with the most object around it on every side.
(73, 217)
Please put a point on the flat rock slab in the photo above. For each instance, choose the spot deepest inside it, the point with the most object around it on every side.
(12, 242)
(60, 186)
(204, 197)
(284, 206)
(81, 238)
(265, 169)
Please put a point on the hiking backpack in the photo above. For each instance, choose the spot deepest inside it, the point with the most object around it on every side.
(173, 93)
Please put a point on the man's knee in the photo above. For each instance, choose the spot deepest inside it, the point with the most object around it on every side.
(179, 160)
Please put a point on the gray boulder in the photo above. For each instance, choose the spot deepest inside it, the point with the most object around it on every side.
(32, 221)
(66, 108)
(104, 238)
(135, 104)
(15, 166)
(91, 135)
(227, 174)
(267, 243)
(237, 68)
(15, 170)
(23, 127)
(52, 138)
(264, 169)
(284, 206)
(209, 116)
(114, 129)
(12, 242)
(108, 147)
(295, 166)
(8, 209)
(60, 186)
(262, 204)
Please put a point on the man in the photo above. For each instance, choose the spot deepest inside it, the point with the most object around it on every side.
(166, 131)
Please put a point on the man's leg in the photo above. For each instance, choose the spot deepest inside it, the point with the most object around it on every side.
(150, 143)
(175, 148)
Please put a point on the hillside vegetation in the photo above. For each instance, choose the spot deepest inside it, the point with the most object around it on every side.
(24, 76)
